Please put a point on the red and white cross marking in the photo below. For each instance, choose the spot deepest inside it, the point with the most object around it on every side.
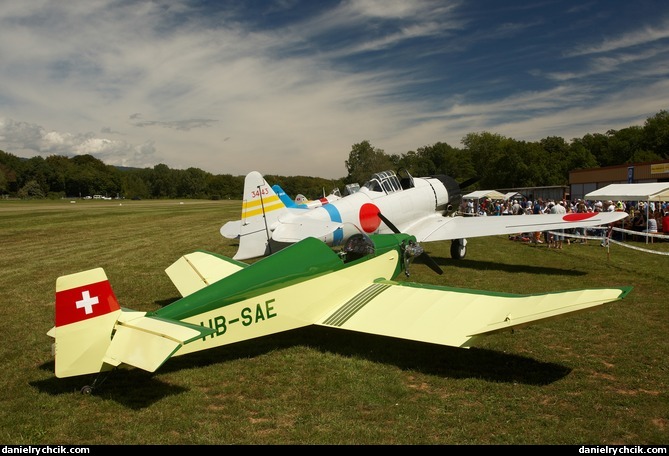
(87, 302)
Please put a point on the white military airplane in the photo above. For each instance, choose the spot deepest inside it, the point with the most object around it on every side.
(424, 207)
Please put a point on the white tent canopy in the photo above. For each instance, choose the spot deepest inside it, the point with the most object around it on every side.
(657, 191)
(509, 195)
(492, 194)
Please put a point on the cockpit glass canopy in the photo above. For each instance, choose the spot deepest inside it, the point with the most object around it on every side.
(384, 181)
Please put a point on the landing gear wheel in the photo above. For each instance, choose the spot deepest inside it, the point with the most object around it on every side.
(458, 248)
(87, 390)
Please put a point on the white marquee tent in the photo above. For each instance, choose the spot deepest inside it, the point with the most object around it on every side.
(479, 195)
(656, 191)
(516, 195)
(492, 194)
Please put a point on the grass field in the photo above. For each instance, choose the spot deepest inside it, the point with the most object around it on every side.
(598, 377)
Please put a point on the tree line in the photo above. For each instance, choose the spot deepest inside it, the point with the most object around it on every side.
(498, 162)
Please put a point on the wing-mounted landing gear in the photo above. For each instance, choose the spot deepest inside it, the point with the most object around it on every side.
(458, 248)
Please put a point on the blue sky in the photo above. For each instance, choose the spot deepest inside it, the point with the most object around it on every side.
(287, 87)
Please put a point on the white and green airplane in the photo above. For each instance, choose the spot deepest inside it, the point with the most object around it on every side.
(307, 283)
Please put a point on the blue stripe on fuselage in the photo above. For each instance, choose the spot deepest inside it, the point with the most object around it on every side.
(335, 216)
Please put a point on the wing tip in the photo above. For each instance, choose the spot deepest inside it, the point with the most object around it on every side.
(624, 291)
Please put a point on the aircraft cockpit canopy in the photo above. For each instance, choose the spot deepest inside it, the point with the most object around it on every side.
(351, 188)
(384, 181)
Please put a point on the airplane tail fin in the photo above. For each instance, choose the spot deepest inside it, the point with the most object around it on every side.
(93, 334)
(86, 311)
(283, 196)
(261, 208)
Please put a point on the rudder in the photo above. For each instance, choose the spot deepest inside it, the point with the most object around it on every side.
(86, 310)
(261, 208)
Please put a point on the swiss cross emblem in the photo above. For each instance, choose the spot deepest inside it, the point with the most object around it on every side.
(87, 302)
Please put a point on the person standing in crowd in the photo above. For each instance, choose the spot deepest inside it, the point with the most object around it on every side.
(652, 225)
(618, 235)
(638, 221)
(558, 237)
(548, 235)
(538, 209)
(497, 207)
(581, 208)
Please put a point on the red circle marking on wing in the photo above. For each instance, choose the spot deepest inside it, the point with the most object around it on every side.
(578, 216)
(369, 217)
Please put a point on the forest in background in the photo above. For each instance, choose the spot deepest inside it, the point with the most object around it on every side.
(498, 162)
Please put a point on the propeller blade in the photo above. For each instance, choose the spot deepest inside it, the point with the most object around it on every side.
(430, 263)
(389, 223)
(469, 182)
(424, 256)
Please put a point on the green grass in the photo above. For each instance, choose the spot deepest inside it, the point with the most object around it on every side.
(598, 377)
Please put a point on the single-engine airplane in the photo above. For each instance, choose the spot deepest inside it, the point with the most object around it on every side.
(424, 207)
(307, 283)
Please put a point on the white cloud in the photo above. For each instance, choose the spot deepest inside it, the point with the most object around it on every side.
(137, 85)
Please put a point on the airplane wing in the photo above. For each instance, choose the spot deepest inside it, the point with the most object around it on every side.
(196, 270)
(452, 316)
(443, 228)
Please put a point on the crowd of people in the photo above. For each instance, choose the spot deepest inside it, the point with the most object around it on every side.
(644, 217)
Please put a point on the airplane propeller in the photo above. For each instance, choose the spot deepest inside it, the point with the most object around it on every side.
(470, 182)
(454, 189)
(412, 250)
(388, 223)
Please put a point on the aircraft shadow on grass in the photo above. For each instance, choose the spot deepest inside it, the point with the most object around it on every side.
(481, 265)
(446, 362)
(145, 388)
(427, 358)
